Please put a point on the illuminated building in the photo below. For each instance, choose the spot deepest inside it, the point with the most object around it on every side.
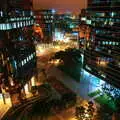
(66, 22)
(44, 19)
(17, 51)
(84, 30)
(102, 56)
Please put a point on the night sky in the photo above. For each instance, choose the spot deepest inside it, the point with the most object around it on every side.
(60, 5)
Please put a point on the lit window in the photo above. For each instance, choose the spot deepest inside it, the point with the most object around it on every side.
(22, 63)
(18, 24)
(0, 27)
(32, 22)
(8, 26)
(3, 26)
(21, 18)
(103, 43)
(31, 13)
(106, 43)
(1, 13)
(17, 19)
(24, 23)
(14, 25)
(105, 22)
(53, 11)
(111, 23)
(21, 24)
(29, 22)
(112, 14)
(83, 18)
(29, 57)
(110, 43)
(25, 61)
(114, 43)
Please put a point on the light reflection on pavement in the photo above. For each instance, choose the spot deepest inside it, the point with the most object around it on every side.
(4, 107)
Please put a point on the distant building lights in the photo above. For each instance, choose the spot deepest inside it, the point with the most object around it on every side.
(31, 13)
(15, 64)
(29, 57)
(88, 68)
(1, 13)
(53, 11)
(83, 18)
(112, 14)
(89, 22)
(25, 61)
(22, 63)
(26, 89)
(104, 76)
(33, 81)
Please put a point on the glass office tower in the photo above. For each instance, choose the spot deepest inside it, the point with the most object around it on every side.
(17, 51)
(102, 53)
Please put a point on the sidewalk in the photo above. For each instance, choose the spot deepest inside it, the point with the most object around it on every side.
(4, 107)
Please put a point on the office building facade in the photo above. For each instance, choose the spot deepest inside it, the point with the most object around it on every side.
(17, 51)
(102, 53)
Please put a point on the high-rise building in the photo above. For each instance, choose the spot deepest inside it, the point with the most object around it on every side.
(102, 54)
(84, 30)
(44, 19)
(66, 21)
(17, 51)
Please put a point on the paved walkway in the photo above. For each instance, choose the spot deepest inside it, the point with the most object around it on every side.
(4, 107)
(81, 88)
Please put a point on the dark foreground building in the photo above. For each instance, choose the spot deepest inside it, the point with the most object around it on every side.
(102, 54)
(17, 51)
